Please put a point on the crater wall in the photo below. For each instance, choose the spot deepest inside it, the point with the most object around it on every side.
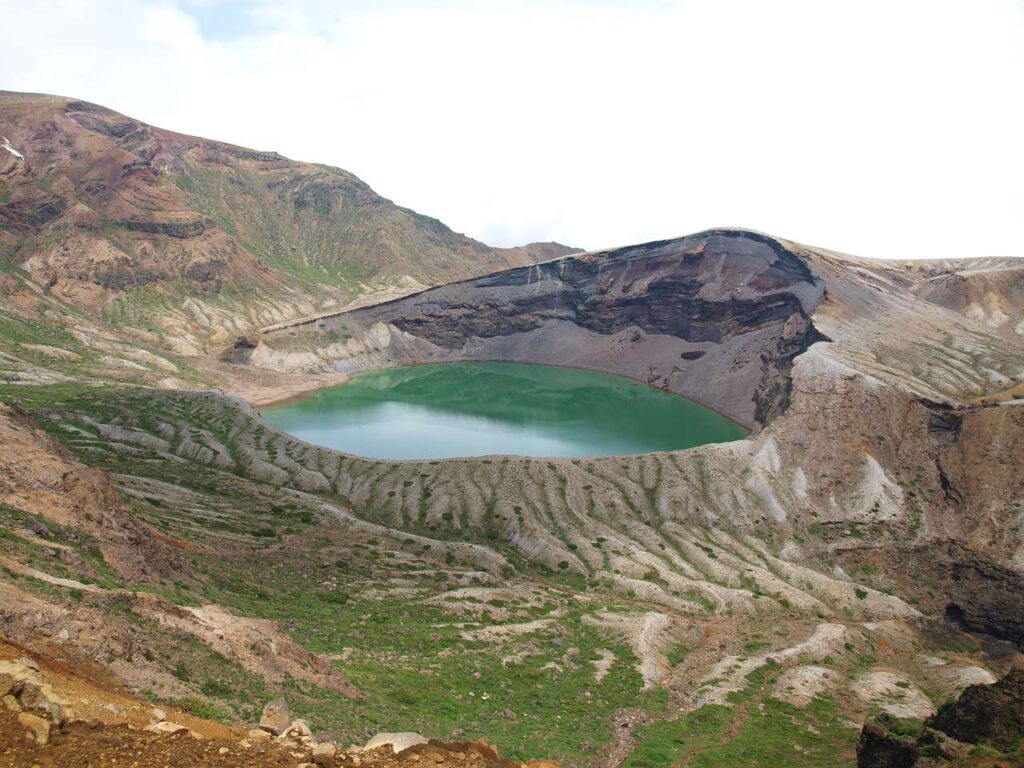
(717, 317)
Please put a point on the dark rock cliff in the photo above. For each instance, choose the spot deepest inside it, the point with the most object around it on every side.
(717, 316)
(986, 714)
(977, 453)
(985, 596)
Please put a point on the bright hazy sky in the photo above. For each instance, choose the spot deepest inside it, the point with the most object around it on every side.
(891, 128)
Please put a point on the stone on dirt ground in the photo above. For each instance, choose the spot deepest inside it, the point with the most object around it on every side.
(276, 717)
(397, 741)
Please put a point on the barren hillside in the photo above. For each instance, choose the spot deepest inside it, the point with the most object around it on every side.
(744, 603)
(190, 239)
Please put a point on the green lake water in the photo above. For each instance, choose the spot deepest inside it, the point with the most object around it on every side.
(481, 409)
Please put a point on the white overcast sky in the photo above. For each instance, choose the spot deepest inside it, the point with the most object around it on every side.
(891, 128)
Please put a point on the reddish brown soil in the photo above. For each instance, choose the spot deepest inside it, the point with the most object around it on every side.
(81, 745)
(103, 746)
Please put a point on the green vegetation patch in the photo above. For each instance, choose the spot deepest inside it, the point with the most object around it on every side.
(754, 731)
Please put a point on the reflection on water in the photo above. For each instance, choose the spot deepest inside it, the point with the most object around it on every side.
(479, 409)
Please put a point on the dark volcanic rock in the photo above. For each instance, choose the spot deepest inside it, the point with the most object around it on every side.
(717, 316)
(23, 216)
(990, 597)
(976, 454)
(982, 596)
(882, 746)
(177, 229)
(728, 284)
(990, 715)
(986, 714)
(241, 351)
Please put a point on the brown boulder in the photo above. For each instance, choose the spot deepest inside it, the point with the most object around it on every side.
(323, 755)
(36, 727)
(276, 719)
(9, 684)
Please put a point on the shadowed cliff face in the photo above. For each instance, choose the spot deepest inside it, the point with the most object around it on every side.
(705, 291)
(717, 316)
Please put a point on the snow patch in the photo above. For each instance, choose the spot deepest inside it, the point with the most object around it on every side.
(799, 483)
(879, 498)
(767, 459)
(12, 150)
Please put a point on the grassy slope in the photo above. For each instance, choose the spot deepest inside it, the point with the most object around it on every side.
(755, 730)
(386, 608)
(273, 556)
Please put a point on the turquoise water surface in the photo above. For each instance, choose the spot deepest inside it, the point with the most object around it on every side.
(480, 409)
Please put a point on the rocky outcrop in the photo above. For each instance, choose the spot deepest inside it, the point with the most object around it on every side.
(23, 690)
(882, 745)
(29, 214)
(717, 316)
(171, 228)
(39, 475)
(988, 715)
(984, 596)
(976, 453)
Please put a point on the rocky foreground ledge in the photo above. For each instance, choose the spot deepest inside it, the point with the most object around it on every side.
(39, 728)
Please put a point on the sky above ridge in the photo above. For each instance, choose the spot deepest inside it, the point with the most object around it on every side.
(891, 129)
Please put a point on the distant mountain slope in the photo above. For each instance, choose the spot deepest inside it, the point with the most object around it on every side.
(118, 216)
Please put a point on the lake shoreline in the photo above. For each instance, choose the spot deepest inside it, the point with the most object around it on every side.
(272, 398)
(453, 410)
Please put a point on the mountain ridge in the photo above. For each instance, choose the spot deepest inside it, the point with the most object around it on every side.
(749, 602)
(102, 207)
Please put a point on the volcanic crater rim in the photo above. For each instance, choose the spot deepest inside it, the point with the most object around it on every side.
(717, 318)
